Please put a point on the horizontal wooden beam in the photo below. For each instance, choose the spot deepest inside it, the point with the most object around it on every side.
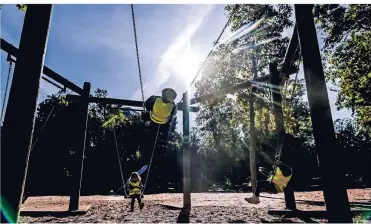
(10, 49)
(51, 82)
(131, 103)
(221, 92)
(244, 85)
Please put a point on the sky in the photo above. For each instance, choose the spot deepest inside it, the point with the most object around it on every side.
(95, 43)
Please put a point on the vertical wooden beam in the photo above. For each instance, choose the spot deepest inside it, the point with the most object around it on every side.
(80, 148)
(253, 171)
(186, 155)
(280, 127)
(21, 109)
(335, 194)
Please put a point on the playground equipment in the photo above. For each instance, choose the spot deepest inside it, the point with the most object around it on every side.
(30, 61)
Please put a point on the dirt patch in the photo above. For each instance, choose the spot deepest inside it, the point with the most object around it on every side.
(166, 208)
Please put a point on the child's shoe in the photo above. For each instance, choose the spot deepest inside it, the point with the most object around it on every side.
(141, 206)
(253, 200)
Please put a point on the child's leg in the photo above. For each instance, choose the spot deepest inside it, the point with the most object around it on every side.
(140, 201)
(263, 184)
(259, 186)
(132, 202)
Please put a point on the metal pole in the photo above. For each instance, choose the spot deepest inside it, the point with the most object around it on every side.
(19, 123)
(80, 148)
(186, 155)
(335, 194)
(280, 127)
(253, 171)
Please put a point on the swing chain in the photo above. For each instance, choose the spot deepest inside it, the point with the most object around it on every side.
(214, 44)
(119, 160)
(150, 162)
(137, 51)
(9, 58)
(46, 120)
(279, 150)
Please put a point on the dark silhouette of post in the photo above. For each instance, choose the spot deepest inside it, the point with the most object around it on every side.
(80, 148)
(253, 171)
(21, 109)
(280, 127)
(335, 194)
(186, 155)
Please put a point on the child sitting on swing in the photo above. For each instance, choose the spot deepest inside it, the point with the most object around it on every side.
(162, 108)
(135, 192)
(276, 182)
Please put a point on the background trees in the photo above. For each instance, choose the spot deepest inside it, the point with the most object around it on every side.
(220, 141)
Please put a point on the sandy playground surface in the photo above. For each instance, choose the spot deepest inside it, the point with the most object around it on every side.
(166, 208)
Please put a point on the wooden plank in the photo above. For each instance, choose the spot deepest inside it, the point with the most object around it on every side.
(80, 148)
(186, 156)
(19, 124)
(329, 153)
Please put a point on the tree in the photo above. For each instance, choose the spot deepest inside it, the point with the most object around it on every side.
(356, 142)
(224, 123)
(347, 55)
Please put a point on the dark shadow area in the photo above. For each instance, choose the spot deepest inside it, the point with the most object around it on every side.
(237, 221)
(169, 207)
(280, 221)
(299, 213)
(307, 214)
(366, 204)
(52, 213)
(184, 216)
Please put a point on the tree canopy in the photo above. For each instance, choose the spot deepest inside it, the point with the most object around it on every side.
(220, 141)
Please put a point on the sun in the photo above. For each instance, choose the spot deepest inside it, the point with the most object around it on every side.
(187, 64)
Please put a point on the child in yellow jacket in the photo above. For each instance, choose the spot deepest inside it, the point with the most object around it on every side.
(276, 182)
(135, 190)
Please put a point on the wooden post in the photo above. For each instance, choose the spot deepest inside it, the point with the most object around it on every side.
(80, 148)
(280, 127)
(20, 112)
(335, 194)
(186, 155)
(253, 172)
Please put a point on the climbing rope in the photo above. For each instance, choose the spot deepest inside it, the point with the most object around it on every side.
(46, 121)
(7, 84)
(150, 162)
(137, 51)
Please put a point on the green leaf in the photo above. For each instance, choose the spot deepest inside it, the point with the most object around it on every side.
(22, 7)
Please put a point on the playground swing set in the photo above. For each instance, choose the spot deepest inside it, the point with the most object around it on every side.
(31, 55)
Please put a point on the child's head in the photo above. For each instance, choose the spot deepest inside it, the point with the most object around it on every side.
(168, 95)
(135, 176)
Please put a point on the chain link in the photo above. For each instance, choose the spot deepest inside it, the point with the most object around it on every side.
(215, 43)
(280, 146)
(47, 119)
(150, 162)
(137, 51)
